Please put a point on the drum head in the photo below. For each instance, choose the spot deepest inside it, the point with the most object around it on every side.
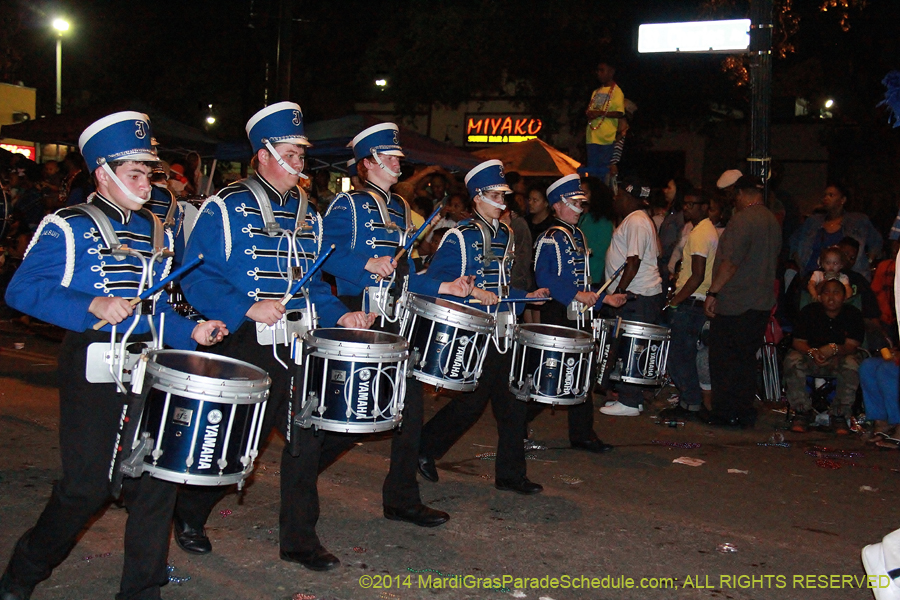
(447, 311)
(356, 336)
(207, 365)
(554, 336)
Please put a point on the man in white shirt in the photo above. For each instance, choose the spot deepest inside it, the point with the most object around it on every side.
(634, 244)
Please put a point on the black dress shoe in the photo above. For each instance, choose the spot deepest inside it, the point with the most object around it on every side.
(519, 486)
(420, 515)
(192, 541)
(677, 412)
(427, 468)
(12, 591)
(595, 445)
(319, 559)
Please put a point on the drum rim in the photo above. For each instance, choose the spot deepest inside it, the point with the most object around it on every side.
(426, 307)
(197, 384)
(396, 351)
(583, 342)
(631, 326)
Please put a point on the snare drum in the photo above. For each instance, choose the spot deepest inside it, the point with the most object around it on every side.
(353, 380)
(447, 341)
(551, 364)
(203, 417)
(643, 350)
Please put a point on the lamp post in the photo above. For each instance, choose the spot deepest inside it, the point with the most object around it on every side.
(60, 25)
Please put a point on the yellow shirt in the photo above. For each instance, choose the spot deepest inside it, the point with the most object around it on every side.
(417, 221)
(602, 130)
(703, 240)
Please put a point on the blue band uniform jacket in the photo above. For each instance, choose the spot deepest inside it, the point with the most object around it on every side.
(560, 260)
(462, 253)
(354, 225)
(243, 265)
(68, 264)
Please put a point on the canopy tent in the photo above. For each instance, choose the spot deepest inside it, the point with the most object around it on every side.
(172, 135)
(532, 158)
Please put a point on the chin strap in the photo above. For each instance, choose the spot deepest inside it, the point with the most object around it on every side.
(128, 193)
(576, 209)
(382, 165)
(281, 161)
(491, 202)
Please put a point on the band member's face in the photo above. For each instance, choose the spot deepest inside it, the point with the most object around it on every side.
(136, 178)
(565, 213)
(487, 210)
(293, 155)
(381, 177)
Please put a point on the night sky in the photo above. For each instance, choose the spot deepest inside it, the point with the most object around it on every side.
(181, 56)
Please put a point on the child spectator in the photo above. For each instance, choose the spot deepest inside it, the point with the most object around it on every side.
(831, 261)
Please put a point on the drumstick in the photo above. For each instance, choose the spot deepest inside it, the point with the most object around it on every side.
(309, 273)
(415, 236)
(606, 285)
(477, 301)
(153, 289)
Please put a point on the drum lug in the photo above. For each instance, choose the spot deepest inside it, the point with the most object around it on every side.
(523, 389)
(133, 466)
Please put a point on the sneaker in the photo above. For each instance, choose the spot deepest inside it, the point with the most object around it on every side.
(617, 409)
(800, 423)
(839, 425)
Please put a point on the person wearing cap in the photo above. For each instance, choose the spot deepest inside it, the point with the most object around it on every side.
(561, 264)
(244, 281)
(634, 244)
(70, 279)
(463, 252)
(368, 227)
(739, 302)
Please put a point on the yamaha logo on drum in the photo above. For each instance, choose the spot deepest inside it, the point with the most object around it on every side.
(365, 374)
(459, 356)
(214, 417)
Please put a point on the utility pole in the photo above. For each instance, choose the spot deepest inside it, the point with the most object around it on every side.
(283, 54)
(761, 13)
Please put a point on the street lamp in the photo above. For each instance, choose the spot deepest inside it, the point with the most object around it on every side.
(60, 25)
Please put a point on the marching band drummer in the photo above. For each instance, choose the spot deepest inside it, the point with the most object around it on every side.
(465, 251)
(70, 278)
(561, 264)
(251, 234)
(368, 227)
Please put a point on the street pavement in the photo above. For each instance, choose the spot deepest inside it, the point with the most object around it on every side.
(632, 514)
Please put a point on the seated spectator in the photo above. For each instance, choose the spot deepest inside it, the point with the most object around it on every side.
(879, 380)
(827, 337)
(831, 263)
(883, 290)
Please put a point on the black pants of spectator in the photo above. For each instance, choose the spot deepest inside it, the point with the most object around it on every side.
(457, 417)
(733, 343)
(641, 309)
(299, 493)
(89, 415)
(581, 416)
(400, 488)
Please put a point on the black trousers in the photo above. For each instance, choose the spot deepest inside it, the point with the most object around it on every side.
(733, 343)
(88, 423)
(299, 511)
(581, 416)
(463, 411)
